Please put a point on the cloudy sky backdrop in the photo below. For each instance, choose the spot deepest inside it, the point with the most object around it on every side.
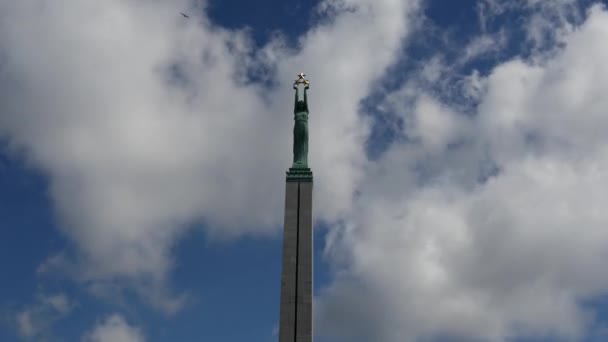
(460, 152)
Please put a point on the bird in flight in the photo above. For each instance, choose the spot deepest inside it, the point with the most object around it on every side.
(185, 15)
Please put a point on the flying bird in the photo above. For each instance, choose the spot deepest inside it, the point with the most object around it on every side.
(185, 15)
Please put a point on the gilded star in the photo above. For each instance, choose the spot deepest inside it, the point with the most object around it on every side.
(301, 79)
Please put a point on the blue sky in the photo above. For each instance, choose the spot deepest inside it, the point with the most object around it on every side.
(458, 147)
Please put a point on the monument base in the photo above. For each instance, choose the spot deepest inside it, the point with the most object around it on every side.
(297, 174)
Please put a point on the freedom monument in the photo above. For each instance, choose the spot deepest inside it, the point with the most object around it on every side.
(295, 324)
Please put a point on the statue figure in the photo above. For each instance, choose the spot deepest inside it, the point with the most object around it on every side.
(300, 128)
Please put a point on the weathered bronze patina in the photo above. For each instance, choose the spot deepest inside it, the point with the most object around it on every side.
(299, 170)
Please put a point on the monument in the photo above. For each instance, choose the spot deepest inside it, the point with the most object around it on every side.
(295, 324)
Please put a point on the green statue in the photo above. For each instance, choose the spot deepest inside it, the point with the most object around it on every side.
(300, 130)
(299, 170)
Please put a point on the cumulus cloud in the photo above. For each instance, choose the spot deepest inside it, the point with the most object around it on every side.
(146, 123)
(487, 226)
(114, 328)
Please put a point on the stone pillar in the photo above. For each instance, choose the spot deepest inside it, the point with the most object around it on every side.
(296, 279)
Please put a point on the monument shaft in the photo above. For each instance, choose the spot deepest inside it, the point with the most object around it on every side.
(297, 274)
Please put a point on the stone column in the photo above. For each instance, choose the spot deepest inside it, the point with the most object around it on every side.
(296, 280)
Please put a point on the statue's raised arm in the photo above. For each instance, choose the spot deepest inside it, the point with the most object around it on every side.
(301, 105)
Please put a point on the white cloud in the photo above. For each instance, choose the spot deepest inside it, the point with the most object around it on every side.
(434, 251)
(36, 320)
(484, 44)
(114, 328)
(144, 126)
(546, 23)
(59, 302)
(25, 325)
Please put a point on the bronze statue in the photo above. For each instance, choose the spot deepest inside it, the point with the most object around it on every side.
(300, 128)
(299, 171)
